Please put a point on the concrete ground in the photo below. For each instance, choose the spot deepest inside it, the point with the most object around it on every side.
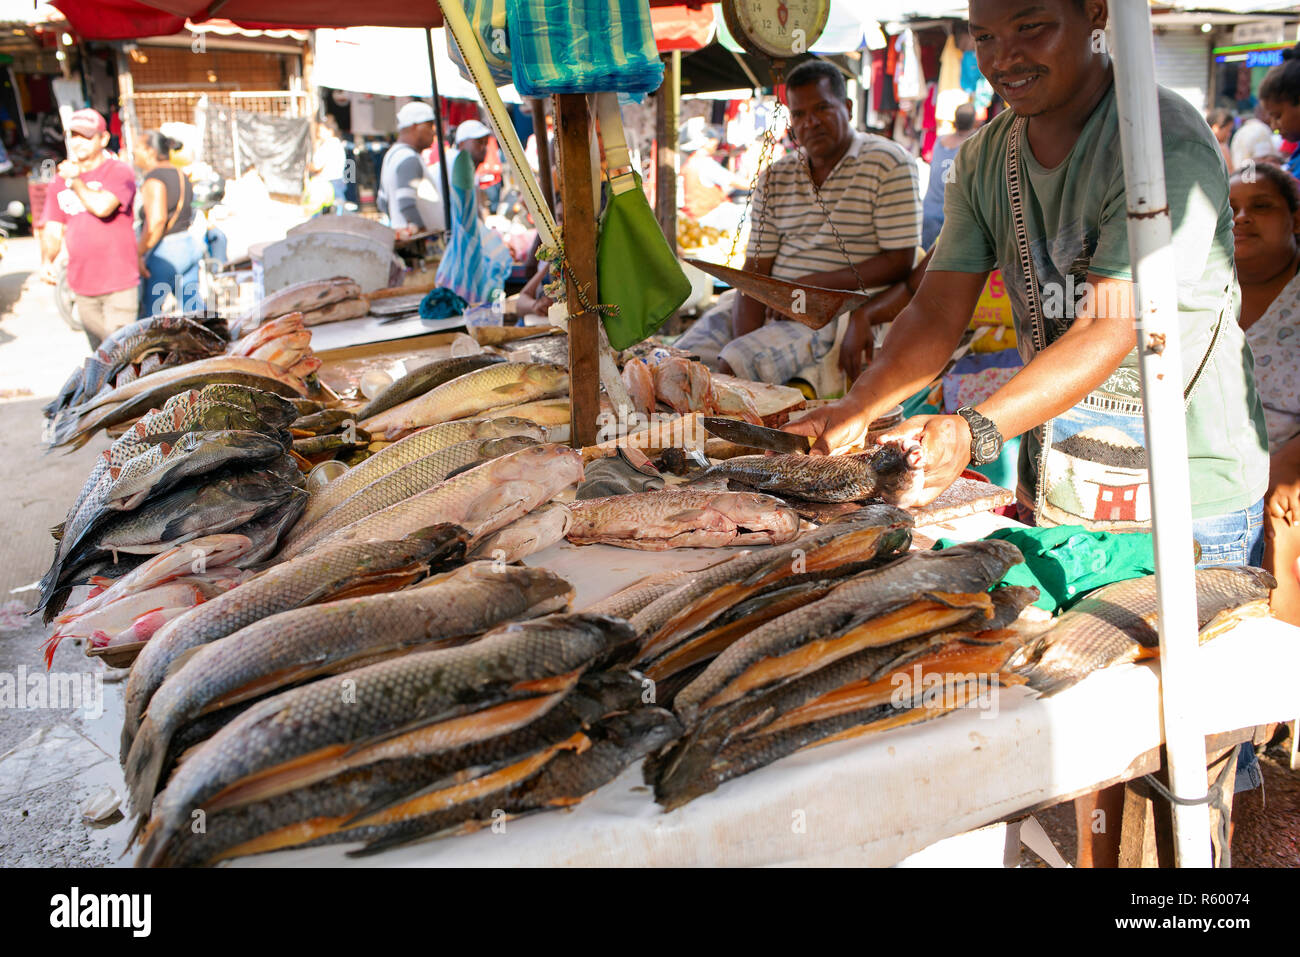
(53, 760)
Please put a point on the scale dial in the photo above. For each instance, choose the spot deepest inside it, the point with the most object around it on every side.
(778, 29)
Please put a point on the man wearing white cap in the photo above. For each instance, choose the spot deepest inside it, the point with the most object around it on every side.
(402, 169)
(472, 137)
(91, 201)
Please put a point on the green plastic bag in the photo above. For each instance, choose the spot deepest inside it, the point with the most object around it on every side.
(636, 269)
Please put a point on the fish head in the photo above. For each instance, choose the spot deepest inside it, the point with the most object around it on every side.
(642, 731)
(899, 478)
(508, 425)
(547, 376)
(755, 511)
(552, 460)
(495, 448)
(442, 541)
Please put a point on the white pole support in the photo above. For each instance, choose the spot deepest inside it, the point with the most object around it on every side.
(1166, 432)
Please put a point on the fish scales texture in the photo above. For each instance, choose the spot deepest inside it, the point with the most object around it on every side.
(482, 499)
(626, 602)
(967, 568)
(400, 484)
(671, 518)
(383, 782)
(566, 779)
(421, 380)
(194, 453)
(414, 689)
(696, 584)
(280, 588)
(882, 473)
(408, 450)
(318, 638)
(1117, 622)
(507, 383)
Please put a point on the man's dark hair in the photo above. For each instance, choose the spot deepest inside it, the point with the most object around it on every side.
(964, 118)
(1282, 82)
(812, 71)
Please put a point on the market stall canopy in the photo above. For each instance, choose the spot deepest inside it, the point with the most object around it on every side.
(390, 61)
(131, 19)
(683, 28)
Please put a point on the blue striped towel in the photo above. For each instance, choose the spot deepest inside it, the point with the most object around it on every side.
(488, 18)
(477, 262)
(582, 46)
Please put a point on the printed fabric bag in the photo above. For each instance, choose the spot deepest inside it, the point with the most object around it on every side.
(636, 269)
(1091, 465)
(488, 18)
(582, 46)
(477, 262)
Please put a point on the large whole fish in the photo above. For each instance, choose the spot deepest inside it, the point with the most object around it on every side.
(183, 339)
(481, 500)
(419, 381)
(417, 703)
(268, 530)
(409, 449)
(337, 804)
(507, 383)
(1119, 623)
(304, 643)
(928, 590)
(334, 572)
(601, 754)
(198, 374)
(682, 518)
(194, 453)
(400, 484)
(75, 427)
(525, 536)
(299, 297)
(886, 472)
(626, 602)
(852, 696)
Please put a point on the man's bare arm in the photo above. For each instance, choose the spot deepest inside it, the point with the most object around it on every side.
(1060, 376)
(51, 235)
(100, 202)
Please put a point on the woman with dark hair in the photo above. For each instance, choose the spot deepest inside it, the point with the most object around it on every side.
(1265, 204)
(1222, 125)
(1279, 94)
(169, 254)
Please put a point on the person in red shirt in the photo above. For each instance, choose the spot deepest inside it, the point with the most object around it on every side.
(91, 201)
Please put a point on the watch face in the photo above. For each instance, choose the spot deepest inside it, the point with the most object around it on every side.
(986, 450)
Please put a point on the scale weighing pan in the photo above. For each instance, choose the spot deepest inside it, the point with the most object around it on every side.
(821, 305)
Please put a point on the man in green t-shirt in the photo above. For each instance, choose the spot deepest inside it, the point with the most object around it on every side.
(1048, 60)
(1077, 401)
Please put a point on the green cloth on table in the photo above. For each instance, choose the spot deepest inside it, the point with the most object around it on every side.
(1066, 562)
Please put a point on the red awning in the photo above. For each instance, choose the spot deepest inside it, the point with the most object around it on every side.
(682, 28)
(131, 19)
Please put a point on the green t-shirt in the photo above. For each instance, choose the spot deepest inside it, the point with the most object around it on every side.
(1076, 222)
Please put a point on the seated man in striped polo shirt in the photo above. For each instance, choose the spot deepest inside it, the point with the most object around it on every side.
(869, 189)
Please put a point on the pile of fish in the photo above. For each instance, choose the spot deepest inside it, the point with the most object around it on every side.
(1118, 623)
(444, 731)
(207, 462)
(313, 302)
(284, 342)
(682, 518)
(821, 669)
(683, 385)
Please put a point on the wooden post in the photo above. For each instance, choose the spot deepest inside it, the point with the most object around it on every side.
(666, 122)
(573, 134)
(543, 152)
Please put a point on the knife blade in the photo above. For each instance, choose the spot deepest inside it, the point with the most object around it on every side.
(756, 436)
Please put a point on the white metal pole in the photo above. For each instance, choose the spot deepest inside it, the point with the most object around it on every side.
(1166, 433)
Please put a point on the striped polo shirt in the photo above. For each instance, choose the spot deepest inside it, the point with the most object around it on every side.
(874, 201)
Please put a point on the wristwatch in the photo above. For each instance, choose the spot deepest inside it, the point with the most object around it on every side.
(985, 439)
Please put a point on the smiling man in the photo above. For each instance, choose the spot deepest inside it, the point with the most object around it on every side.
(1077, 401)
(869, 196)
